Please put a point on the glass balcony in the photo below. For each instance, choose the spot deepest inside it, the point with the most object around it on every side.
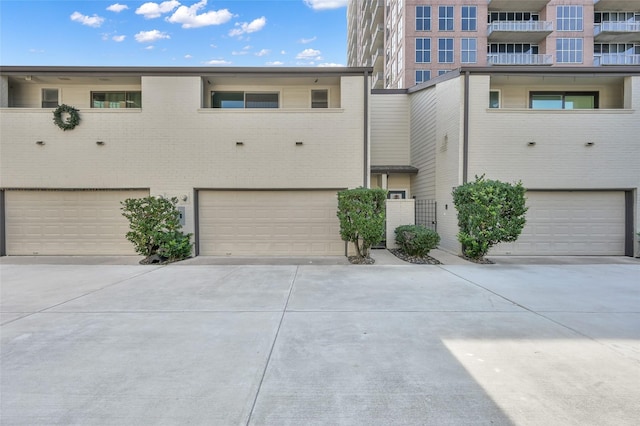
(616, 59)
(523, 31)
(617, 31)
(518, 59)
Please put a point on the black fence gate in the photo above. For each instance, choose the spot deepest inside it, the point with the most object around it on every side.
(426, 213)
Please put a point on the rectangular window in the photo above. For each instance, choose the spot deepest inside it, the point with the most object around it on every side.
(469, 18)
(445, 18)
(445, 50)
(563, 100)
(469, 51)
(569, 50)
(49, 98)
(423, 50)
(494, 99)
(116, 99)
(423, 18)
(422, 76)
(244, 100)
(513, 16)
(319, 99)
(569, 18)
(442, 72)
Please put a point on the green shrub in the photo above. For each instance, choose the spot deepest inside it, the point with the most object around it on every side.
(489, 212)
(416, 240)
(155, 227)
(362, 217)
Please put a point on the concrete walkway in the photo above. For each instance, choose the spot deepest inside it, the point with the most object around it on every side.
(320, 344)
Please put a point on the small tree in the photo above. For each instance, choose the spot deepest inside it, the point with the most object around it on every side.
(155, 227)
(362, 217)
(489, 212)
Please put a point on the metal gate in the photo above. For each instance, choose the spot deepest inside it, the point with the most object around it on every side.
(426, 213)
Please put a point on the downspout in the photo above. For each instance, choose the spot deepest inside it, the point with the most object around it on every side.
(365, 183)
(465, 130)
(3, 234)
(196, 223)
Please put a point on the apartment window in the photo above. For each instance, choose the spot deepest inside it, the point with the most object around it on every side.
(423, 18)
(513, 16)
(563, 100)
(569, 50)
(469, 51)
(423, 50)
(614, 48)
(494, 99)
(442, 72)
(319, 99)
(49, 98)
(469, 18)
(600, 17)
(569, 18)
(116, 99)
(445, 50)
(422, 76)
(244, 100)
(520, 48)
(445, 18)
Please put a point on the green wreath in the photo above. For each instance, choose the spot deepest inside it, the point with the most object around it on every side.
(71, 122)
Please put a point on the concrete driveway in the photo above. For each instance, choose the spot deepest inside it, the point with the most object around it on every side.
(320, 344)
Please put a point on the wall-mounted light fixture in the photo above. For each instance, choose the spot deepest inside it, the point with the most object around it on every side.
(40, 143)
(239, 143)
(184, 198)
(298, 143)
(589, 144)
(531, 143)
(100, 143)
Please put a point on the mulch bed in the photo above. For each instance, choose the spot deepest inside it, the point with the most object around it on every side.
(420, 260)
(355, 260)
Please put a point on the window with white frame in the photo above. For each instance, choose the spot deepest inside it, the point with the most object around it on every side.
(569, 50)
(320, 98)
(600, 17)
(445, 18)
(50, 98)
(422, 76)
(244, 100)
(423, 50)
(569, 18)
(116, 99)
(445, 50)
(423, 18)
(469, 50)
(442, 72)
(469, 18)
(563, 100)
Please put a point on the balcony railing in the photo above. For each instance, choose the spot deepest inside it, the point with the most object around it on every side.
(520, 26)
(616, 27)
(616, 59)
(518, 59)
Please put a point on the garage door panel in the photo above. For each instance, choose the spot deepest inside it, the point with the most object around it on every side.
(269, 223)
(59, 222)
(571, 223)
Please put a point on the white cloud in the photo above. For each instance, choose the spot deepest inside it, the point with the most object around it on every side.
(327, 64)
(309, 55)
(90, 21)
(213, 46)
(246, 28)
(189, 18)
(325, 4)
(275, 63)
(117, 7)
(188, 56)
(152, 10)
(118, 38)
(239, 53)
(36, 51)
(283, 52)
(149, 48)
(263, 52)
(307, 40)
(218, 62)
(150, 36)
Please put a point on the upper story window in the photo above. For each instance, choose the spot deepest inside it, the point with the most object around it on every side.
(513, 16)
(445, 50)
(494, 99)
(468, 50)
(600, 17)
(320, 99)
(50, 98)
(422, 76)
(569, 18)
(116, 99)
(469, 18)
(423, 50)
(244, 100)
(423, 18)
(569, 50)
(563, 100)
(445, 18)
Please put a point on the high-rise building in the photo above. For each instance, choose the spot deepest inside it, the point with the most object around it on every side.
(408, 42)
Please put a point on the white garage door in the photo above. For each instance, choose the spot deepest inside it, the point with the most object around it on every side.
(269, 223)
(571, 223)
(67, 222)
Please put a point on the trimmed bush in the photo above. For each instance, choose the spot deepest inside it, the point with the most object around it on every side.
(489, 212)
(416, 240)
(362, 217)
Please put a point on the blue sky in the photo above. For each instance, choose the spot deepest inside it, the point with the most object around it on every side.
(173, 33)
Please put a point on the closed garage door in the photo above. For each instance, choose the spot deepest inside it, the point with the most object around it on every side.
(67, 222)
(571, 223)
(269, 223)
